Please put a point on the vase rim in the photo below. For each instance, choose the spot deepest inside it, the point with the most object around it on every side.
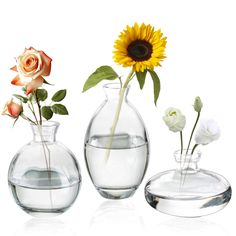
(195, 157)
(114, 86)
(47, 124)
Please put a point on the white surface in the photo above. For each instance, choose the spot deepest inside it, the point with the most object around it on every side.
(79, 36)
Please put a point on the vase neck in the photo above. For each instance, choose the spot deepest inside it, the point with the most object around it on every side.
(112, 91)
(45, 132)
(187, 162)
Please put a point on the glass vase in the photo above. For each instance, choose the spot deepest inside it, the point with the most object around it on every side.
(116, 163)
(44, 176)
(188, 191)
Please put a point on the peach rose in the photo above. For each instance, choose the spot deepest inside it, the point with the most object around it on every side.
(12, 109)
(31, 64)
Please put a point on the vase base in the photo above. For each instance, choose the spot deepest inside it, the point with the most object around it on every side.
(209, 194)
(44, 213)
(116, 193)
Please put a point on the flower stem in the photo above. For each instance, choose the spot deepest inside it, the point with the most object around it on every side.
(27, 118)
(181, 143)
(117, 114)
(195, 146)
(190, 158)
(181, 153)
(39, 108)
(194, 127)
(31, 107)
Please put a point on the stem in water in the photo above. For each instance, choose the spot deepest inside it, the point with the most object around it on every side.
(117, 114)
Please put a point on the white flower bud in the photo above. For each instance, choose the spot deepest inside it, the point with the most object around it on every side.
(198, 104)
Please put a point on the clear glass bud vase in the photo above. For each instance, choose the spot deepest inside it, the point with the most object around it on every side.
(116, 163)
(188, 191)
(44, 176)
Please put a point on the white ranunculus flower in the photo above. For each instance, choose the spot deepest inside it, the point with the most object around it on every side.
(207, 132)
(174, 119)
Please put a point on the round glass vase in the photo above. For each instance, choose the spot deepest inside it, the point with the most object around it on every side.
(116, 163)
(44, 176)
(188, 191)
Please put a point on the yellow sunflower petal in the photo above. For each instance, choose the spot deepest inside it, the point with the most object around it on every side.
(140, 46)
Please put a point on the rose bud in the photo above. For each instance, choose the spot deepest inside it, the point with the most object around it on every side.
(12, 109)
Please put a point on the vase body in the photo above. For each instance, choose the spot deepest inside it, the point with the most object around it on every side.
(116, 167)
(44, 176)
(188, 191)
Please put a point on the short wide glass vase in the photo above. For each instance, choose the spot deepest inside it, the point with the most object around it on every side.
(188, 191)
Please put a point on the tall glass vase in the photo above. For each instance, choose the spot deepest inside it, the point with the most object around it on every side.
(188, 191)
(44, 176)
(116, 162)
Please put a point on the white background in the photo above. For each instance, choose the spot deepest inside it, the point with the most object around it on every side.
(79, 36)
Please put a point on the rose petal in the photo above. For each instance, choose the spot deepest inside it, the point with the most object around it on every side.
(34, 84)
(17, 81)
(31, 48)
(14, 68)
(46, 63)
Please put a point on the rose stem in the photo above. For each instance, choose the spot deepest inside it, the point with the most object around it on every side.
(39, 108)
(31, 107)
(27, 118)
(117, 114)
(48, 163)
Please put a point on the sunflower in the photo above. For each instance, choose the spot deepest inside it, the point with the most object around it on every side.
(140, 47)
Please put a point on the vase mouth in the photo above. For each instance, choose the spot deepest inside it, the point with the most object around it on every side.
(195, 157)
(45, 132)
(47, 124)
(114, 86)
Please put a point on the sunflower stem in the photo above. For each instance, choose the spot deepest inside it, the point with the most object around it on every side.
(117, 114)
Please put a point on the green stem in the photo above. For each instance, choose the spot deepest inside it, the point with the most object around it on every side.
(27, 118)
(31, 107)
(120, 82)
(194, 127)
(181, 142)
(39, 108)
(117, 114)
(190, 158)
(195, 146)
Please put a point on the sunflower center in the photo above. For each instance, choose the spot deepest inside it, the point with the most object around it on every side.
(140, 50)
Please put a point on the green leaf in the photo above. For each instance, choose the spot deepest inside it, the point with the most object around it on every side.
(47, 112)
(21, 98)
(102, 73)
(59, 95)
(59, 109)
(141, 78)
(41, 94)
(156, 84)
(46, 82)
(31, 97)
(15, 121)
